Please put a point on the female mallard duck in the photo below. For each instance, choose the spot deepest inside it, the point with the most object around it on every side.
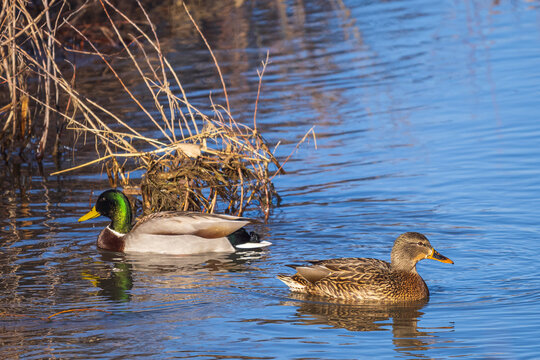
(168, 232)
(363, 279)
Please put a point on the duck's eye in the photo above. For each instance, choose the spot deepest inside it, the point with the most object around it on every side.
(421, 243)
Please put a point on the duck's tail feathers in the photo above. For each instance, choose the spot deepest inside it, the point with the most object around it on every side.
(241, 239)
(292, 283)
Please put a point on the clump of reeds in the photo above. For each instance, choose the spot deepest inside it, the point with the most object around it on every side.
(27, 53)
(197, 162)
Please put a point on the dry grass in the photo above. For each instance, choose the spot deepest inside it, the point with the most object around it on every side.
(24, 35)
(198, 162)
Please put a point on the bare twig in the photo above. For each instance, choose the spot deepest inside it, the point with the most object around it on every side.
(260, 74)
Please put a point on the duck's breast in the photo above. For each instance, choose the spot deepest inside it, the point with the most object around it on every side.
(111, 240)
(408, 286)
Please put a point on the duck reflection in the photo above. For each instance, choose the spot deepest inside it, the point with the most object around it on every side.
(182, 273)
(401, 318)
(358, 316)
(116, 284)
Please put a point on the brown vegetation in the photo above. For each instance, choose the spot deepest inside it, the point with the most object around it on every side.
(198, 162)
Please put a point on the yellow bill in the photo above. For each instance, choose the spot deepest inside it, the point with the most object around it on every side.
(90, 215)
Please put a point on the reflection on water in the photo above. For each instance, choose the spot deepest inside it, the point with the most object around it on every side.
(401, 319)
(168, 286)
(425, 116)
(359, 317)
(115, 285)
(181, 273)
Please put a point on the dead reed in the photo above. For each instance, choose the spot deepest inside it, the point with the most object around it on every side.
(197, 162)
(25, 35)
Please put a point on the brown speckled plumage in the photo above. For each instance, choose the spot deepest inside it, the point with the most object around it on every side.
(366, 279)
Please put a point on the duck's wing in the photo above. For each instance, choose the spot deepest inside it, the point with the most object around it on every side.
(358, 265)
(209, 226)
(313, 273)
(342, 268)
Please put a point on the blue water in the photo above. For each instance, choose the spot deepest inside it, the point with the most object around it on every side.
(426, 116)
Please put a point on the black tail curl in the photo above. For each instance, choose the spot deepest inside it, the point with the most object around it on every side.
(241, 236)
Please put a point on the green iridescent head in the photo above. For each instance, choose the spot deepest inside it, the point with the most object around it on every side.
(114, 205)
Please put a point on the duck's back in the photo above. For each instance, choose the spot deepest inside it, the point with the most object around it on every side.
(353, 264)
(189, 223)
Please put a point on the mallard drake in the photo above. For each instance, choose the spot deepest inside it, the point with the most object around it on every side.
(168, 232)
(366, 279)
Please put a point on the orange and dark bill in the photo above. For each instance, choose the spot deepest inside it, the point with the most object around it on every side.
(436, 256)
